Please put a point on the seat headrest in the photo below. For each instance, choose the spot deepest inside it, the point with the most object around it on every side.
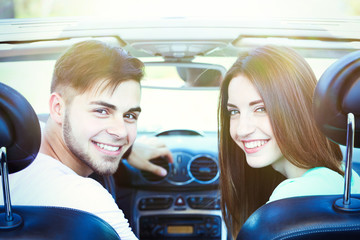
(19, 129)
(337, 94)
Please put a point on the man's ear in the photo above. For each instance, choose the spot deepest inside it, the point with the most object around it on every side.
(57, 107)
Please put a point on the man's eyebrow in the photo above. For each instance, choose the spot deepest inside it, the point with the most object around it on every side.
(105, 104)
(111, 106)
(135, 109)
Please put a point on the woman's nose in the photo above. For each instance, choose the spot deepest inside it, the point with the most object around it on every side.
(246, 125)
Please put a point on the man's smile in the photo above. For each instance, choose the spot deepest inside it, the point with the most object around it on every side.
(108, 148)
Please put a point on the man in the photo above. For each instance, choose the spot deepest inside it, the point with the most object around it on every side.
(94, 107)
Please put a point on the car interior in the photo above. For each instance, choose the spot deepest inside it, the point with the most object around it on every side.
(185, 61)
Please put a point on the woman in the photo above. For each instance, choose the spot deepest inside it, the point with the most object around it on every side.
(267, 133)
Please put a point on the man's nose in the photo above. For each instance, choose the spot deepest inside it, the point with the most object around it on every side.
(117, 128)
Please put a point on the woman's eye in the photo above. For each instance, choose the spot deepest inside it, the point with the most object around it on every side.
(260, 109)
(233, 112)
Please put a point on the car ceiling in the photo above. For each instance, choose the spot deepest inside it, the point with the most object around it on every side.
(178, 38)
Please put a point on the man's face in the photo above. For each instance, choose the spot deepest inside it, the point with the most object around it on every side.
(99, 126)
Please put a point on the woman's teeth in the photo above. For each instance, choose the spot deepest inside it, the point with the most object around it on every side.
(255, 144)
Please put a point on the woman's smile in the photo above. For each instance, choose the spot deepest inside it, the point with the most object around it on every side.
(253, 146)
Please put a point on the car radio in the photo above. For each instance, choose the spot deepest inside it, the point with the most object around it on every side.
(180, 227)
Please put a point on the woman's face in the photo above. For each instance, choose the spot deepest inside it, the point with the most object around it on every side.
(250, 126)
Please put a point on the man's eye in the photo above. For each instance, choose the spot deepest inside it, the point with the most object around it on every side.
(132, 116)
(102, 111)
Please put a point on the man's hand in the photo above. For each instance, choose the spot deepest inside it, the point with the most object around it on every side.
(144, 149)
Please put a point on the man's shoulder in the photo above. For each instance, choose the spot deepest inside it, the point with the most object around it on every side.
(60, 171)
(45, 160)
(56, 182)
(47, 172)
(49, 182)
(47, 166)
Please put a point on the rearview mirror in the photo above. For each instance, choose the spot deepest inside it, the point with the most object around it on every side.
(179, 75)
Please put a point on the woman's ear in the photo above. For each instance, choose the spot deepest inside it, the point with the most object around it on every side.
(57, 108)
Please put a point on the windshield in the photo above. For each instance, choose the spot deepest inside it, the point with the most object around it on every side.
(163, 108)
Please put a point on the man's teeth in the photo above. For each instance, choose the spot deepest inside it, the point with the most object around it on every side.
(107, 147)
(255, 144)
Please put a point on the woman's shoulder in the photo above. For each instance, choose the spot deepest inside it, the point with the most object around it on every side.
(316, 181)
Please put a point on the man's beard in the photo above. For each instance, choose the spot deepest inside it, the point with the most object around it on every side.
(75, 148)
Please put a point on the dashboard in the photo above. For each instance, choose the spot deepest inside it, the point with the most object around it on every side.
(185, 204)
(195, 162)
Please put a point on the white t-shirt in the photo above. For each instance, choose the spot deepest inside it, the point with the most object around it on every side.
(315, 181)
(48, 182)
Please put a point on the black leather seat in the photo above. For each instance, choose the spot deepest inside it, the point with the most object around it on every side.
(337, 111)
(19, 142)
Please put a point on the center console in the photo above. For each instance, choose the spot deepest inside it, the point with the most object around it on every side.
(180, 215)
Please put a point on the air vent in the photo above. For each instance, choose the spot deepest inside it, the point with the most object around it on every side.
(152, 177)
(204, 169)
(155, 203)
(210, 203)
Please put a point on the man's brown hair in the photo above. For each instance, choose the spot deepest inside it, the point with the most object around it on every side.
(88, 63)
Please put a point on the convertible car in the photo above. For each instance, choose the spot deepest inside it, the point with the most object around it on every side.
(185, 60)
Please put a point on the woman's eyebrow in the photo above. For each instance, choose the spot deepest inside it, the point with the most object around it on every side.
(250, 104)
(256, 102)
(231, 105)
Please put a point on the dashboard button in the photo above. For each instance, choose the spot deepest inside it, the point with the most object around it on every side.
(179, 201)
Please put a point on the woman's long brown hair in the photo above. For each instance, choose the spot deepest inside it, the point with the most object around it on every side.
(286, 84)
